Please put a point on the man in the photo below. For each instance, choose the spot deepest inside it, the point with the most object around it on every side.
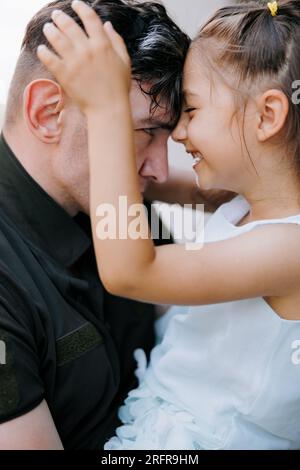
(69, 344)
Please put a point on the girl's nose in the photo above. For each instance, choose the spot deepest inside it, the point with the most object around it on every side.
(179, 134)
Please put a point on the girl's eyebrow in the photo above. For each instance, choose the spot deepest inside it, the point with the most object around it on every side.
(189, 93)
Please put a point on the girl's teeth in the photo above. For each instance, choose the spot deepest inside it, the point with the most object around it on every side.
(197, 160)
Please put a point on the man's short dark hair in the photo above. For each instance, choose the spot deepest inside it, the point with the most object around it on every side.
(156, 45)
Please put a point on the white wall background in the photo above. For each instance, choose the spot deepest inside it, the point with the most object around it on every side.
(189, 14)
(13, 20)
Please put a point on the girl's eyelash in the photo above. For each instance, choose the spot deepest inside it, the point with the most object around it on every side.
(189, 110)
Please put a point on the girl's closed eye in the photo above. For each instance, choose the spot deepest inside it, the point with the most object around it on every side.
(189, 110)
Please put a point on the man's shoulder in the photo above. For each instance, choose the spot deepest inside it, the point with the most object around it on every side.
(15, 275)
(12, 244)
(8, 231)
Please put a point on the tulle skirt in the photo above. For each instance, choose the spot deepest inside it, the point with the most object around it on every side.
(151, 423)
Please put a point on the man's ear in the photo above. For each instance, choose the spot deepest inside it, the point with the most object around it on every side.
(43, 110)
(273, 108)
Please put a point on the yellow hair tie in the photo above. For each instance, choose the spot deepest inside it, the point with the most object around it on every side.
(273, 7)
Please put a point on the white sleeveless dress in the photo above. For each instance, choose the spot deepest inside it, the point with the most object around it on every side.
(225, 376)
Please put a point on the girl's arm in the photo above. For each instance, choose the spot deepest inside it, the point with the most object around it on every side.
(94, 71)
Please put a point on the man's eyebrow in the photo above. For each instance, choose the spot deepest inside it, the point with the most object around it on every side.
(167, 125)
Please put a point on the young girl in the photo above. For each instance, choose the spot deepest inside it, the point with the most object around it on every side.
(226, 374)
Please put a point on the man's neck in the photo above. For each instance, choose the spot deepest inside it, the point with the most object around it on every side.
(36, 162)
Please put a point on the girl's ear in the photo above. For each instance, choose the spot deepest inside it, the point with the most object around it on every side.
(273, 108)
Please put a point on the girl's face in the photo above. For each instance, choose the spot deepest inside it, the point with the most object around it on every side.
(210, 132)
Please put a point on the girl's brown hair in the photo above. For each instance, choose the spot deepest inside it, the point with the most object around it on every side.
(259, 50)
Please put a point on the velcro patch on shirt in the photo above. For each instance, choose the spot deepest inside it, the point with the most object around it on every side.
(9, 390)
(77, 343)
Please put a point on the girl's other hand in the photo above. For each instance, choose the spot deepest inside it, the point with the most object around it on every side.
(92, 66)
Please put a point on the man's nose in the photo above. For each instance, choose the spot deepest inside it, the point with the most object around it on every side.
(156, 165)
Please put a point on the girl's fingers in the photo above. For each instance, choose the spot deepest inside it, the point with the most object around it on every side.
(68, 26)
(91, 21)
(51, 61)
(57, 39)
(117, 42)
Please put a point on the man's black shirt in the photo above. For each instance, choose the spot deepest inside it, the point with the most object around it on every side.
(67, 340)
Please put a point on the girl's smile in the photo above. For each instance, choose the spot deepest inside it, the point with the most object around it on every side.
(197, 159)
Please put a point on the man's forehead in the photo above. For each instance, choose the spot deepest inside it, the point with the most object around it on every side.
(145, 112)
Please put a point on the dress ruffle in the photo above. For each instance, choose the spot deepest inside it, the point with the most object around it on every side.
(151, 423)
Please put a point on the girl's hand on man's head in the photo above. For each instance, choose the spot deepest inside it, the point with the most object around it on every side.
(92, 66)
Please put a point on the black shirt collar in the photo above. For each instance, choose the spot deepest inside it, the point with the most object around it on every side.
(37, 216)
